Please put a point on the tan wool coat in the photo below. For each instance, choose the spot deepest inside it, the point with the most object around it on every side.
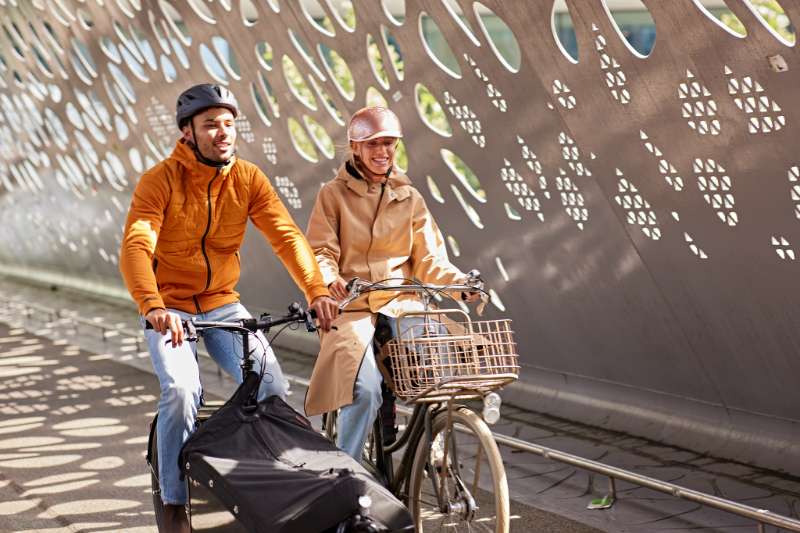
(371, 231)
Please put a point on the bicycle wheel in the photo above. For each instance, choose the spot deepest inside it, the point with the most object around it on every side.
(475, 495)
(152, 459)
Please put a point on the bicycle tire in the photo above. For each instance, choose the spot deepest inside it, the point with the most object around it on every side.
(152, 459)
(476, 444)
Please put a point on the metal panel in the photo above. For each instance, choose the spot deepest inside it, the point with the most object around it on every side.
(639, 215)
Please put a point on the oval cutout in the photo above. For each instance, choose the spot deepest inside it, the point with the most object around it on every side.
(297, 85)
(500, 37)
(344, 13)
(395, 54)
(458, 15)
(376, 62)
(175, 22)
(464, 174)
(722, 17)
(301, 142)
(635, 26)
(168, 69)
(327, 102)
(317, 16)
(433, 188)
(431, 112)
(227, 57)
(320, 136)
(395, 11)
(401, 157)
(201, 10)
(212, 64)
(436, 46)
(375, 98)
(339, 71)
(264, 54)
(564, 31)
(470, 211)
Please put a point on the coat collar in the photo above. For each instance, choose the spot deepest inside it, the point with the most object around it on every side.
(398, 184)
(184, 155)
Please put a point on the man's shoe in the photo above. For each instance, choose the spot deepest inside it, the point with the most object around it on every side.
(175, 519)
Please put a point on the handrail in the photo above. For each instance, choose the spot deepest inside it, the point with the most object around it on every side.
(760, 516)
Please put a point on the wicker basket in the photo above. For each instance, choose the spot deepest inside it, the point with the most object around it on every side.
(442, 359)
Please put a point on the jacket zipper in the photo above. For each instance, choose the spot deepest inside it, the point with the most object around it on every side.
(203, 243)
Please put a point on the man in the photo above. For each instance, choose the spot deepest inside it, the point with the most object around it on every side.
(180, 259)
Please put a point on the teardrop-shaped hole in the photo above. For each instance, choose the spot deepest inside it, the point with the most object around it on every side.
(339, 71)
(564, 31)
(301, 141)
(226, 56)
(455, 249)
(249, 13)
(634, 25)
(500, 37)
(168, 69)
(436, 46)
(431, 112)
(464, 174)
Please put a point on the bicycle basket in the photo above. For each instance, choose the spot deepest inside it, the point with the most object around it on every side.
(443, 359)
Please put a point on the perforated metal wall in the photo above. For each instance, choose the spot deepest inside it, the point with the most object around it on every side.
(637, 217)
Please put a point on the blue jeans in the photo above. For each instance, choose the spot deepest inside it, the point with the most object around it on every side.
(356, 419)
(179, 378)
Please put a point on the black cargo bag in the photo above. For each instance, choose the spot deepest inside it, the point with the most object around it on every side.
(274, 473)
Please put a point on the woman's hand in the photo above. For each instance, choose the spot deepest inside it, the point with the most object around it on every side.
(338, 289)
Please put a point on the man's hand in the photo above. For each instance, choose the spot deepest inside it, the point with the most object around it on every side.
(164, 321)
(338, 289)
(327, 310)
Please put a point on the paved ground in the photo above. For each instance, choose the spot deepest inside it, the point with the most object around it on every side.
(75, 411)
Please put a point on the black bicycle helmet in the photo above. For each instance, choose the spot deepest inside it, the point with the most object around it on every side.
(201, 97)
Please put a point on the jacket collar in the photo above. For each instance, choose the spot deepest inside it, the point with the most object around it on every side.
(399, 184)
(185, 156)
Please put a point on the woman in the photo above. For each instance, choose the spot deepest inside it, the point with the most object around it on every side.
(368, 222)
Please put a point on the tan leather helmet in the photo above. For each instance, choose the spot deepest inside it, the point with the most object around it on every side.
(373, 122)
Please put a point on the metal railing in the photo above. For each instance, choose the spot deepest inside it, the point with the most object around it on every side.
(762, 517)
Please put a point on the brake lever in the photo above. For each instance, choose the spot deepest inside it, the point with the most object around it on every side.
(310, 315)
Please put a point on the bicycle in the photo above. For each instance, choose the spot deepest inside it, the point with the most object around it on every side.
(433, 366)
(247, 410)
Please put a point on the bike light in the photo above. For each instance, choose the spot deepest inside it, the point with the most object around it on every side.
(491, 408)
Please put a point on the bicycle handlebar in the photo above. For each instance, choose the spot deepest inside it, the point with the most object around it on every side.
(264, 323)
(357, 286)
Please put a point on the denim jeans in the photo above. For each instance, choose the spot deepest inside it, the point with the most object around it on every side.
(179, 378)
(356, 419)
